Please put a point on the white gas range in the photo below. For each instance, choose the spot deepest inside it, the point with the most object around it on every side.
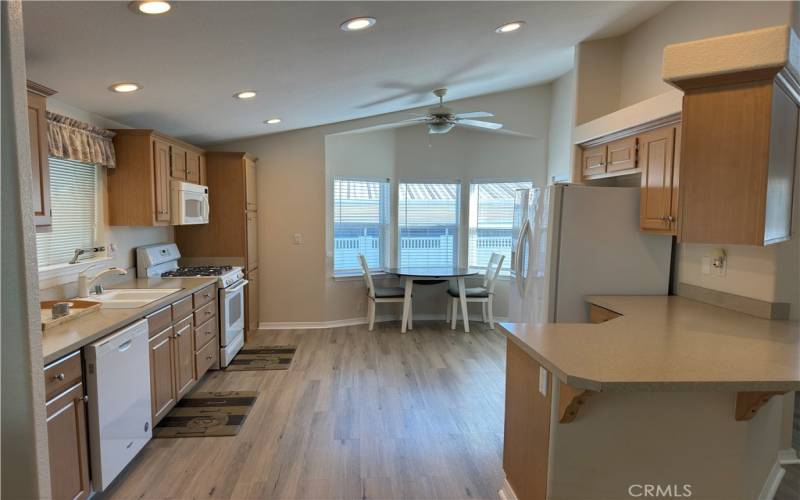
(161, 261)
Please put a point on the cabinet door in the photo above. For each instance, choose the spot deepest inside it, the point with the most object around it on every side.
(252, 300)
(162, 378)
(252, 240)
(621, 155)
(184, 356)
(161, 162)
(594, 160)
(178, 163)
(68, 445)
(657, 153)
(193, 167)
(37, 129)
(203, 172)
(250, 184)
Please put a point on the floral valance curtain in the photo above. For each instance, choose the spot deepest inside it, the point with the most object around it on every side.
(74, 140)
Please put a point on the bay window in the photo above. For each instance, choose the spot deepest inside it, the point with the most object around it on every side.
(360, 224)
(428, 223)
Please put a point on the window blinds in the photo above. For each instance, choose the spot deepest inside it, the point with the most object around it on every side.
(360, 224)
(428, 217)
(73, 197)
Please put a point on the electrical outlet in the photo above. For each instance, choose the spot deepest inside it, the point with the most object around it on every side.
(543, 381)
(298, 238)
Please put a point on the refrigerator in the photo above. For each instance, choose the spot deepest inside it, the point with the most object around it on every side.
(570, 241)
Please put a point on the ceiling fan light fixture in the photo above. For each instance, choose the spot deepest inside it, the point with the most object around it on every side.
(358, 24)
(150, 7)
(510, 27)
(440, 127)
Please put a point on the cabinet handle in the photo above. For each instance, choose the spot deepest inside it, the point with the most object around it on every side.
(178, 334)
(208, 313)
(209, 356)
(85, 399)
(60, 376)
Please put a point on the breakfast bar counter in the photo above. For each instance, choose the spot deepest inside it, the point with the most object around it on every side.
(72, 335)
(660, 394)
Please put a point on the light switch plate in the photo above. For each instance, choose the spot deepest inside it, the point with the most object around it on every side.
(543, 381)
(298, 238)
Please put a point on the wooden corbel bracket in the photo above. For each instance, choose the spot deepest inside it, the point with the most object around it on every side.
(748, 403)
(570, 401)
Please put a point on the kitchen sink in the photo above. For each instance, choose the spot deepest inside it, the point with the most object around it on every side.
(131, 298)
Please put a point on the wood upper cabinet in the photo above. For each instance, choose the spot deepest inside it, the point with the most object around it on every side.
(203, 172)
(67, 437)
(162, 378)
(250, 184)
(593, 160)
(657, 149)
(252, 240)
(193, 167)
(738, 161)
(37, 129)
(161, 157)
(621, 154)
(139, 186)
(178, 163)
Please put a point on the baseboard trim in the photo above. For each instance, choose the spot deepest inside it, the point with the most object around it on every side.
(318, 325)
(506, 492)
(775, 476)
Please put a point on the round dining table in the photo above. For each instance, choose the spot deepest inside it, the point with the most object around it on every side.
(411, 274)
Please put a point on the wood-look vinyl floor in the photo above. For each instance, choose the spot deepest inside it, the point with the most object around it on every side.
(358, 415)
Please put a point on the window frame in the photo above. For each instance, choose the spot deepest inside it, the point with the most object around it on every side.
(459, 209)
(386, 230)
(505, 272)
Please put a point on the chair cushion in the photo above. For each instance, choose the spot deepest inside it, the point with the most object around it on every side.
(389, 293)
(478, 291)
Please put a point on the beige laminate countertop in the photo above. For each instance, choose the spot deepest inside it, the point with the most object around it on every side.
(73, 335)
(666, 343)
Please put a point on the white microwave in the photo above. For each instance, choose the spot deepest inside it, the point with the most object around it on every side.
(189, 203)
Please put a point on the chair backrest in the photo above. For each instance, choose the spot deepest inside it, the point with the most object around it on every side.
(493, 271)
(367, 276)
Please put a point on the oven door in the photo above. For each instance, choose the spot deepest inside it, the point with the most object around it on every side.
(231, 312)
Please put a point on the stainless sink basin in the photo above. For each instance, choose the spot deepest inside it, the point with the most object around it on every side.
(131, 298)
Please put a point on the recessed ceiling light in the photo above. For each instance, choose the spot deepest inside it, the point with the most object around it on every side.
(358, 24)
(510, 27)
(150, 7)
(245, 94)
(272, 121)
(125, 87)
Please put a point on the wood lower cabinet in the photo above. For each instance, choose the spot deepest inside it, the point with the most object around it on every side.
(162, 378)
(657, 163)
(37, 129)
(252, 239)
(67, 438)
(184, 356)
(251, 293)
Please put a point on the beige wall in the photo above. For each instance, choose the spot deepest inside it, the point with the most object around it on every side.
(598, 70)
(562, 120)
(296, 281)
(125, 239)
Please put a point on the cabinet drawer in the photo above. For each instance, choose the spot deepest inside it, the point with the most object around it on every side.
(62, 374)
(205, 296)
(181, 309)
(205, 333)
(206, 358)
(159, 320)
(205, 313)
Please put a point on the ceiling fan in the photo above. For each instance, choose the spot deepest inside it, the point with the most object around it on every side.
(441, 119)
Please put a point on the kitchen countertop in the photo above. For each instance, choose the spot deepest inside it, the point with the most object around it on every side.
(73, 335)
(666, 343)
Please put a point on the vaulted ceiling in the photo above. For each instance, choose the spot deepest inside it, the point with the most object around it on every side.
(306, 70)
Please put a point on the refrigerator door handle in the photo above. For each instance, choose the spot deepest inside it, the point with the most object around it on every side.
(521, 279)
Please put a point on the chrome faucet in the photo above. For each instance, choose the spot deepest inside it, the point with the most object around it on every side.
(84, 281)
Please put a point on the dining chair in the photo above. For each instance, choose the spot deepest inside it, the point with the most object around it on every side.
(483, 294)
(379, 295)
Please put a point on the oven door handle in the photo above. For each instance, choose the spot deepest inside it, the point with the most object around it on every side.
(238, 287)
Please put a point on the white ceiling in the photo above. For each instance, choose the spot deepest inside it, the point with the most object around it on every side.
(307, 71)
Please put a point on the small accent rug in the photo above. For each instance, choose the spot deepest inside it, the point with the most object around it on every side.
(207, 414)
(268, 357)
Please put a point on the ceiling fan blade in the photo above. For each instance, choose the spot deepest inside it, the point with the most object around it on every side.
(474, 114)
(480, 124)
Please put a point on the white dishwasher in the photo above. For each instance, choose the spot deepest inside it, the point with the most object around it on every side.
(118, 385)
